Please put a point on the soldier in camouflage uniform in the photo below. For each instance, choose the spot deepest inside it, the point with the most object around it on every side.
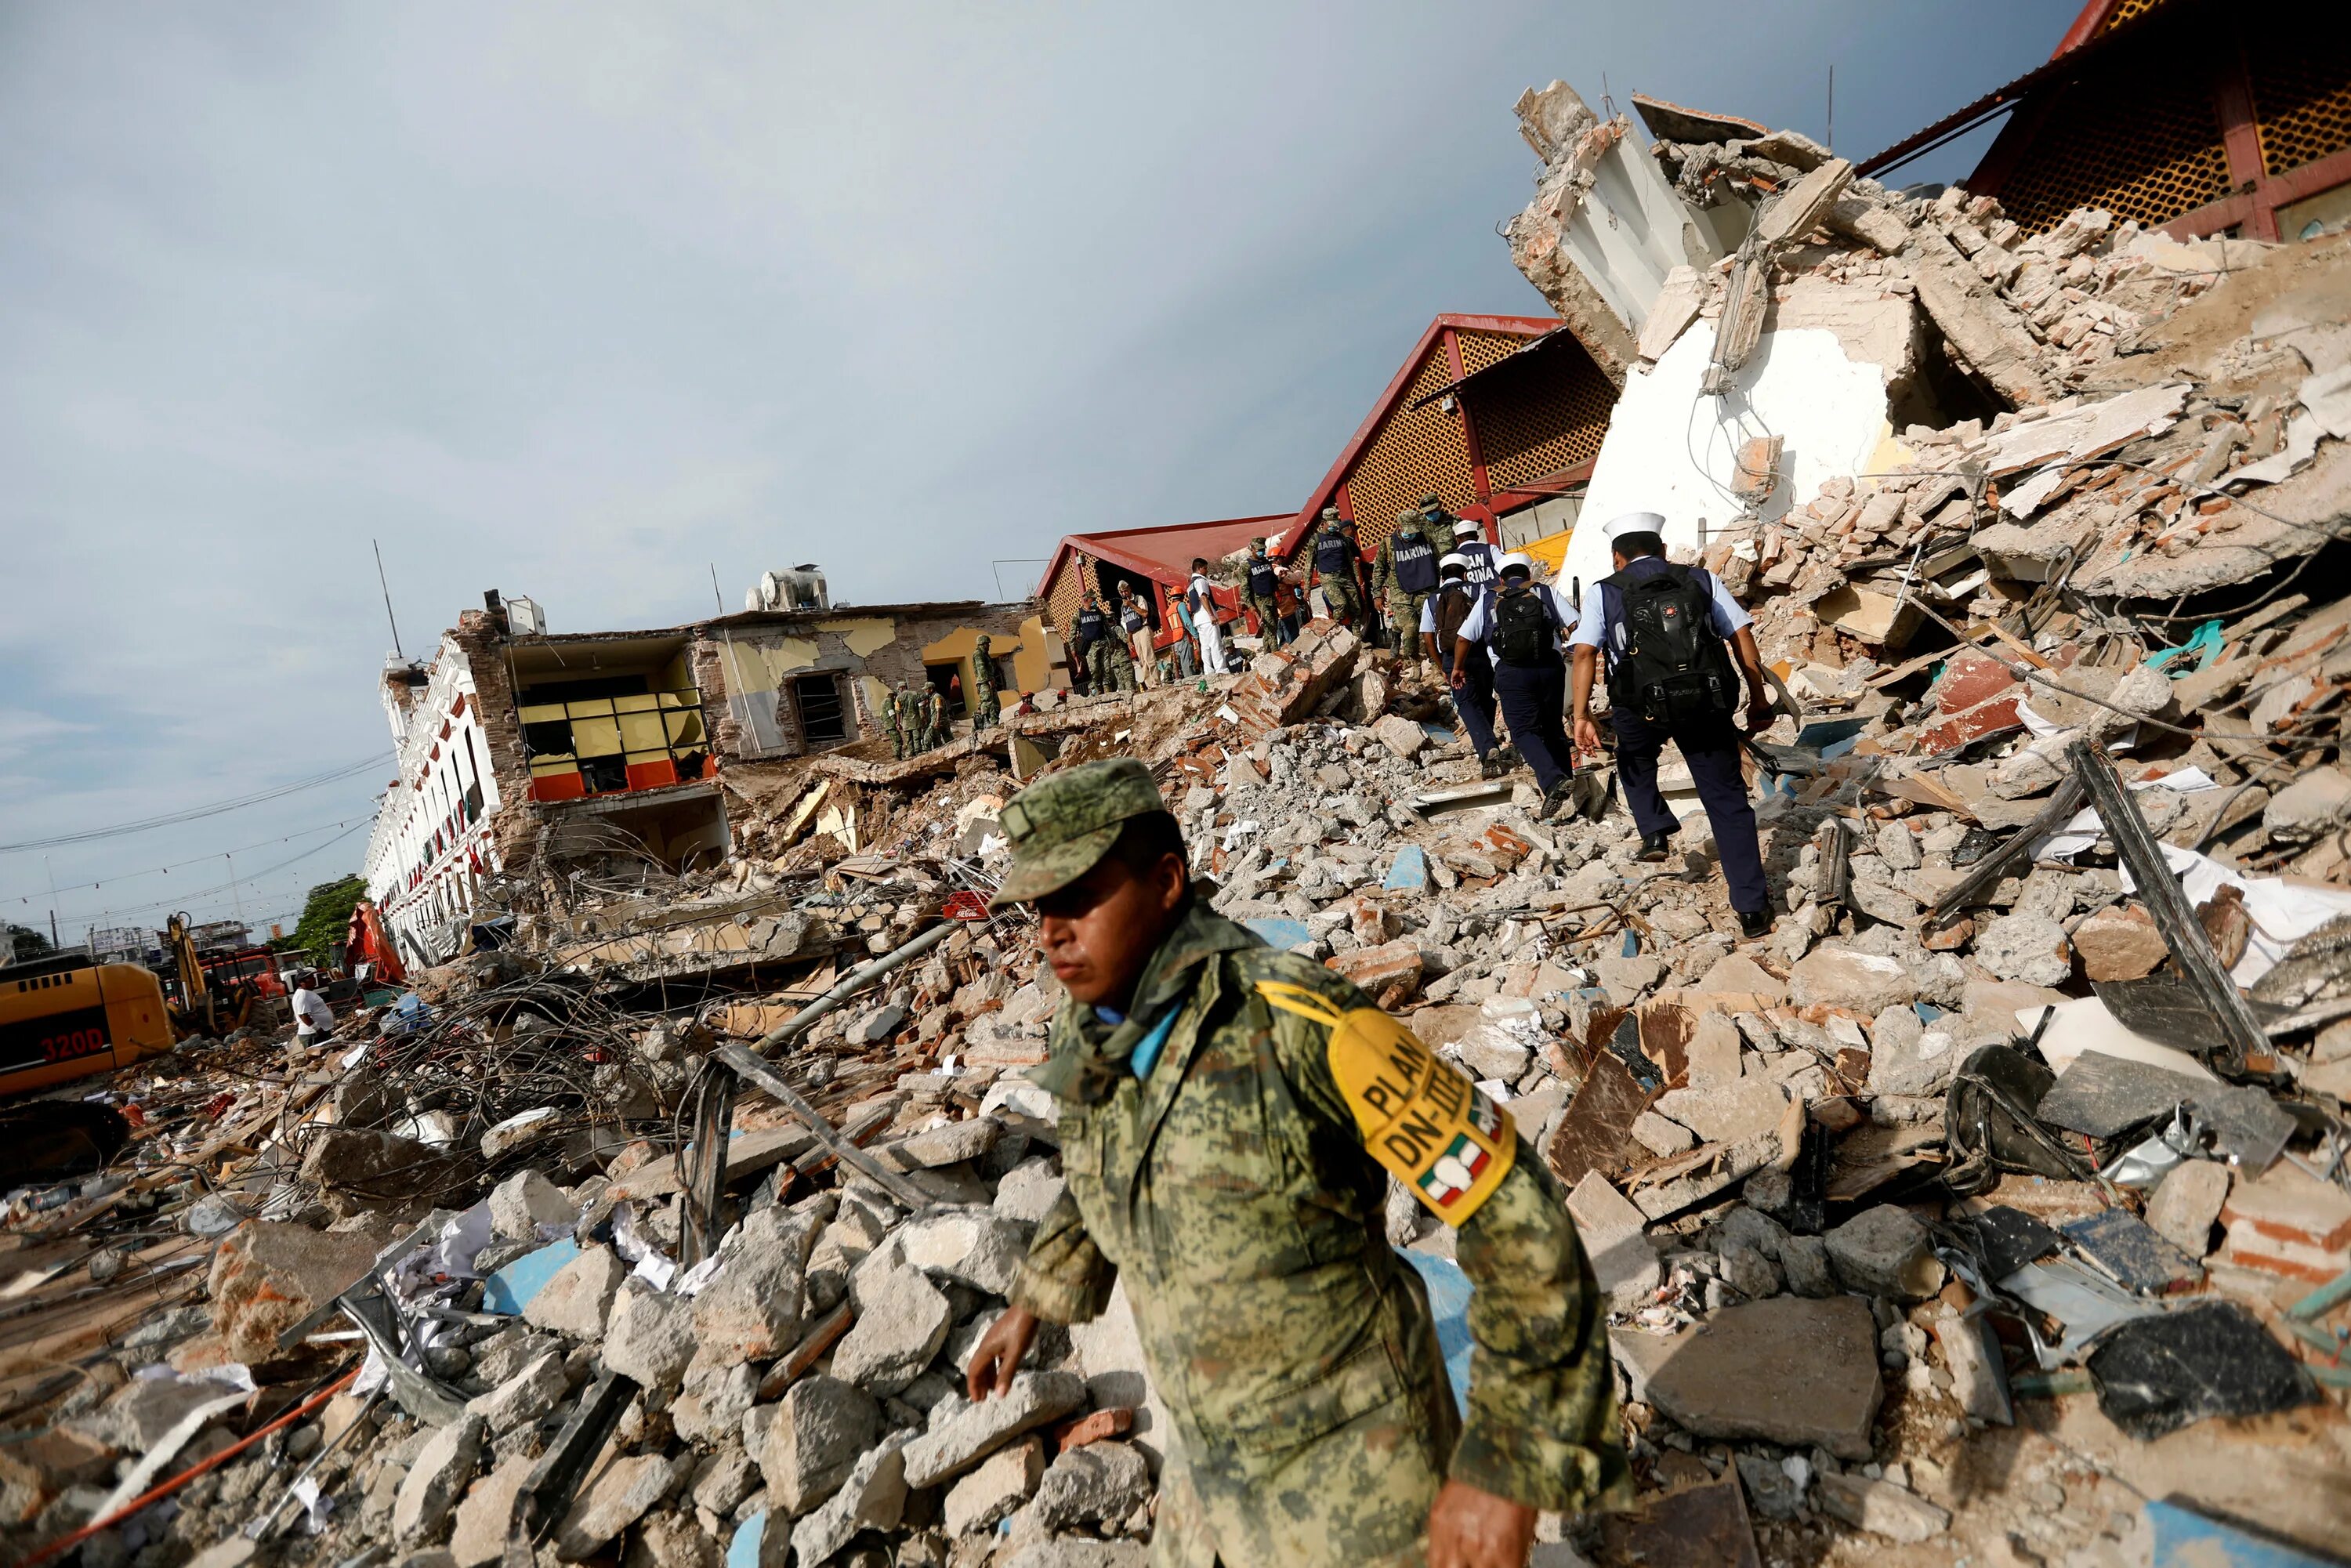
(933, 705)
(891, 725)
(1231, 1119)
(1339, 566)
(1404, 574)
(1113, 657)
(910, 715)
(987, 711)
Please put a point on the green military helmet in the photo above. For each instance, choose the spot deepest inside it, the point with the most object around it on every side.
(1432, 502)
(1410, 519)
(1062, 826)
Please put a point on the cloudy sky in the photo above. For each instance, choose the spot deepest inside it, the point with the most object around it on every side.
(579, 300)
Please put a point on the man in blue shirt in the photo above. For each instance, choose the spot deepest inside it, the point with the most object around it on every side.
(1692, 705)
(1520, 627)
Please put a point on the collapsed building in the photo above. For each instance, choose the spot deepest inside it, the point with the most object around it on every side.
(1993, 1208)
(523, 751)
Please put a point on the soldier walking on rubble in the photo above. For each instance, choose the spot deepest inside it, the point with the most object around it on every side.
(893, 724)
(986, 707)
(1338, 565)
(1091, 631)
(934, 716)
(1231, 1117)
(1404, 574)
(1667, 633)
(1262, 592)
(1124, 668)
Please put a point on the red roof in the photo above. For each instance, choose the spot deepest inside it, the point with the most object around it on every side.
(1398, 384)
(1164, 554)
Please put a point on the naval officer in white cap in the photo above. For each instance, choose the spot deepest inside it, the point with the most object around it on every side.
(1670, 636)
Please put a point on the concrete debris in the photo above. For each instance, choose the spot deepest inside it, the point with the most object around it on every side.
(1996, 491)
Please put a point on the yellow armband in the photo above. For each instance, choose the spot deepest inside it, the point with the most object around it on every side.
(1419, 1116)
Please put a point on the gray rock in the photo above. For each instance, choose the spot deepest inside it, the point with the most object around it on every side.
(715, 1400)
(900, 1327)
(614, 1498)
(436, 1477)
(1661, 1135)
(1907, 1057)
(1748, 1271)
(1714, 1051)
(2027, 947)
(754, 1307)
(872, 1497)
(877, 1026)
(975, 1247)
(950, 1144)
(577, 1300)
(1626, 978)
(1622, 1260)
(725, 1478)
(488, 1513)
(1773, 1492)
(524, 1201)
(1979, 1376)
(1729, 1113)
(1091, 1487)
(1880, 1508)
(1804, 1259)
(1001, 1483)
(1838, 977)
(649, 1336)
(962, 1433)
(2306, 808)
(1884, 1251)
(1078, 1552)
(811, 1439)
(1029, 1191)
(1489, 1053)
(2187, 1203)
(524, 1397)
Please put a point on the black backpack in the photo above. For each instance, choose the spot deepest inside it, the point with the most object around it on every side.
(1673, 668)
(1523, 628)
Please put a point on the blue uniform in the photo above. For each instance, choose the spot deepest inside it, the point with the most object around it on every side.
(1711, 747)
(1475, 701)
(1532, 698)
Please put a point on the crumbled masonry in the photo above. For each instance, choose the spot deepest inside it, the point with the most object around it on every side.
(1866, 1297)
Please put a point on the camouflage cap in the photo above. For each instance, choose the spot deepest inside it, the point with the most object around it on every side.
(1330, 514)
(1432, 502)
(1411, 517)
(1258, 543)
(1062, 826)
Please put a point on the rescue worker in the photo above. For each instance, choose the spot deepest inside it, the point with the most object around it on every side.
(1404, 574)
(934, 716)
(987, 707)
(1668, 633)
(1521, 627)
(1441, 615)
(1230, 1117)
(1261, 593)
(1485, 560)
(1134, 629)
(1089, 641)
(893, 722)
(1338, 563)
(313, 1018)
(1200, 607)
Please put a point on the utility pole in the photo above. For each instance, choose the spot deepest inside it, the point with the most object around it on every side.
(234, 892)
(51, 871)
(385, 583)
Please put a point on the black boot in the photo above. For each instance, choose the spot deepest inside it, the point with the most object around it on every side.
(1491, 766)
(1754, 922)
(1555, 799)
(1652, 847)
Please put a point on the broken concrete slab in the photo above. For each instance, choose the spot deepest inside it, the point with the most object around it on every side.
(649, 1335)
(1623, 1259)
(577, 1300)
(754, 1307)
(1786, 1370)
(1001, 1483)
(811, 1438)
(1729, 1113)
(1838, 977)
(271, 1274)
(872, 1497)
(614, 1498)
(967, 1432)
(2187, 1203)
(438, 1478)
(1884, 1251)
(1880, 1508)
(900, 1328)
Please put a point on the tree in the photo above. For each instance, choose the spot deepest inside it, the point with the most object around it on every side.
(18, 942)
(326, 916)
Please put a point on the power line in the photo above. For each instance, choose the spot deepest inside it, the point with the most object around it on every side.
(199, 860)
(187, 900)
(196, 812)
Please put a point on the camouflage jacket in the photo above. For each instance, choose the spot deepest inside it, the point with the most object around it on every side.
(1233, 1192)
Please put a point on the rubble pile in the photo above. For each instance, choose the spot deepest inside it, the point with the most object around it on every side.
(1953, 1211)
